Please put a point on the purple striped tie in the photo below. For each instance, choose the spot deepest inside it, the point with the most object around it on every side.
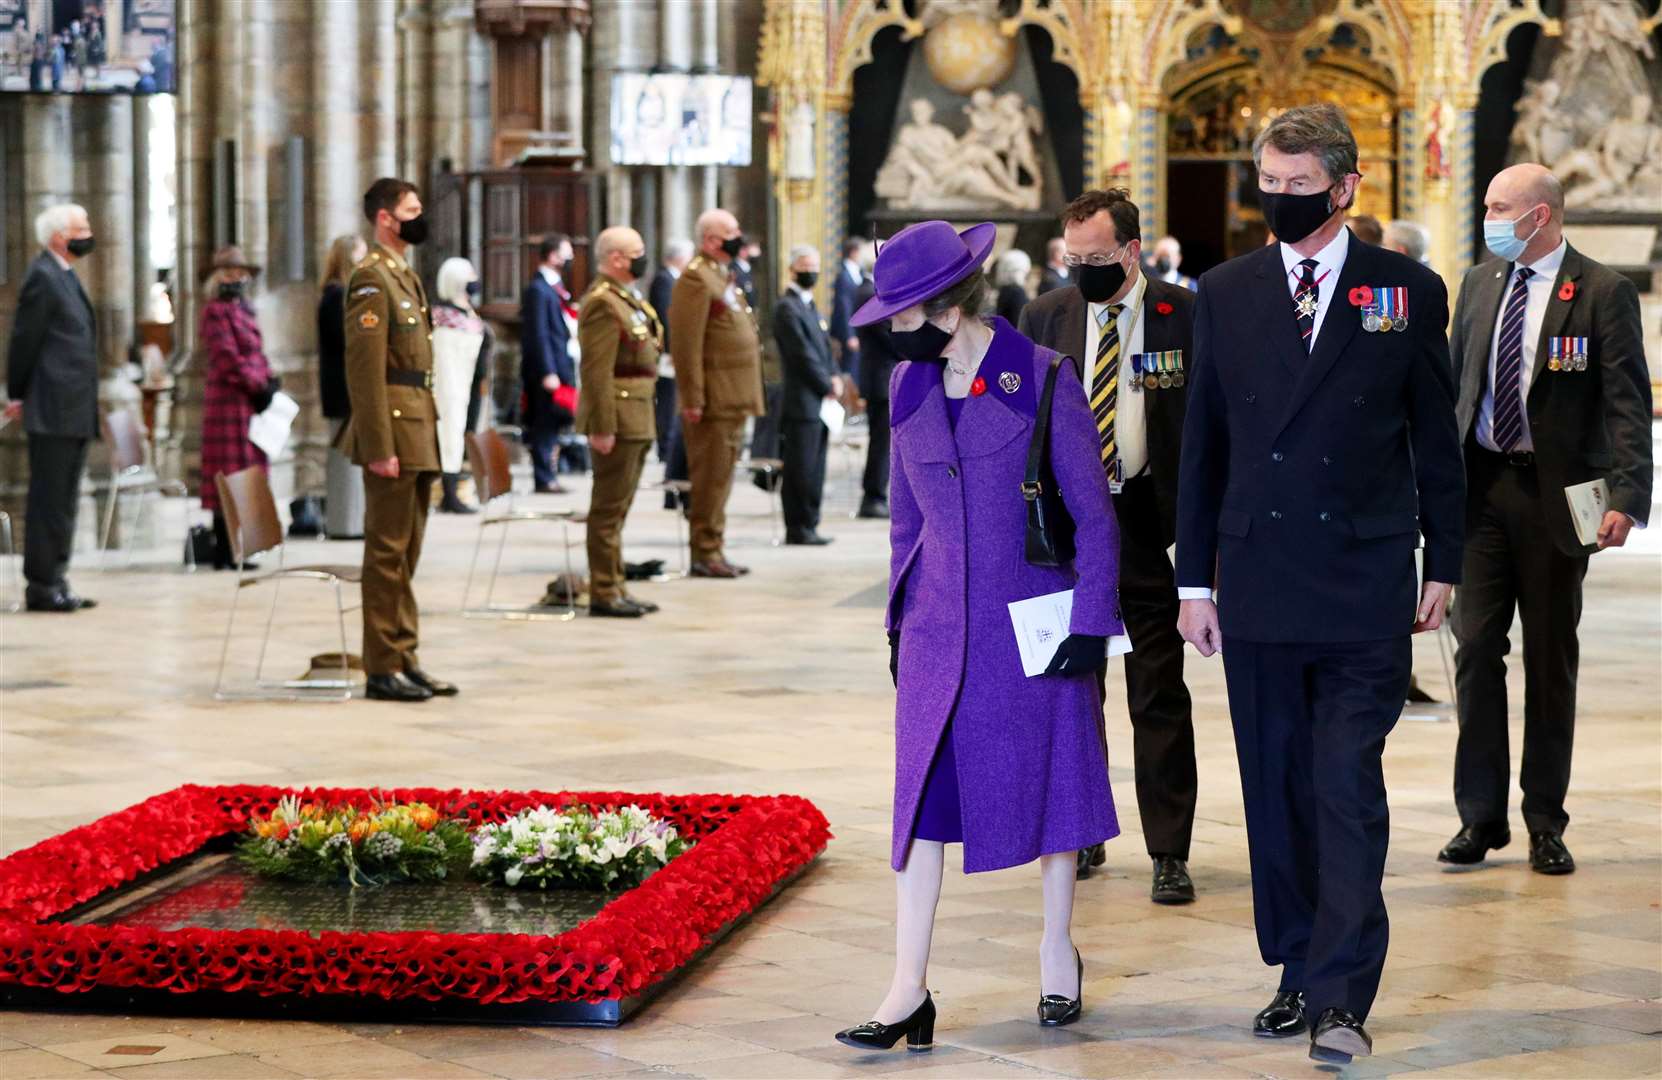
(1508, 417)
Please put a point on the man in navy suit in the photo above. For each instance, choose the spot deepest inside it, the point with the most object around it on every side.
(545, 362)
(850, 276)
(1320, 443)
(810, 376)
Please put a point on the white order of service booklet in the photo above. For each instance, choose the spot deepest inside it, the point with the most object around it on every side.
(1588, 502)
(1042, 623)
(269, 430)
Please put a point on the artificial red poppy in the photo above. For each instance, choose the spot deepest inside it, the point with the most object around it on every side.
(1361, 296)
(1566, 291)
(1163, 308)
(979, 386)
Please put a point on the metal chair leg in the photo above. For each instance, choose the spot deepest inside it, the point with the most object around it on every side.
(478, 543)
(111, 507)
(571, 580)
(345, 661)
(225, 647)
(496, 566)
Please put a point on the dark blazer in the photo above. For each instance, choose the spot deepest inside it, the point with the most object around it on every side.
(1584, 424)
(52, 365)
(1306, 477)
(331, 352)
(544, 337)
(804, 356)
(1057, 321)
(1009, 302)
(658, 294)
(1050, 280)
(843, 291)
(877, 352)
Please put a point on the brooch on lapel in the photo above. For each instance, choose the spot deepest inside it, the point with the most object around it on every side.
(1566, 291)
(979, 386)
(1568, 353)
(1009, 382)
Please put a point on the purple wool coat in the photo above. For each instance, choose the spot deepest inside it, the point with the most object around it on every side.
(1031, 773)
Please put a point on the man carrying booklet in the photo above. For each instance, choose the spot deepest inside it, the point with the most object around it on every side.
(1555, 411)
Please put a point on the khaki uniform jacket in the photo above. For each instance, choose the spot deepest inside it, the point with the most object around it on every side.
(717, 354)
(621, 338)
(388, 328)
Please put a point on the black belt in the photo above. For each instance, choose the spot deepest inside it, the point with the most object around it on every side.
(423, 379)
(1522, 459)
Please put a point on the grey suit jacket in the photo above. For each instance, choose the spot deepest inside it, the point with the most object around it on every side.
(1584, 424)
(52, 365)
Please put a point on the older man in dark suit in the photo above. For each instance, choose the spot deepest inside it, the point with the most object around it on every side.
(877, 360)
(1132, 335)
(545, 362)
(810, 376)
(52, 379)
(1554, 392)
(1319, 444)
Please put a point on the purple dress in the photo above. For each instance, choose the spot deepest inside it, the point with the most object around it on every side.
(1025, 753)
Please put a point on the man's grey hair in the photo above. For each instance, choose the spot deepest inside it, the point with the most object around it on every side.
(1409, 237)
(1321, 130)
(679, 248)
(54, 220)
(801, 251)
(1012, 268)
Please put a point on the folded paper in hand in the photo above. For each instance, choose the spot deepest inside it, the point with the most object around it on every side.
(269, 430)
(832, 415)
(1041, 623)
(1588, 502)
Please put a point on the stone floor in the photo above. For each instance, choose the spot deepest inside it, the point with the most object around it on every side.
(778, 683)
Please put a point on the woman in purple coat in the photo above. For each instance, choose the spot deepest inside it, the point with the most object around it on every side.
(1011, 767)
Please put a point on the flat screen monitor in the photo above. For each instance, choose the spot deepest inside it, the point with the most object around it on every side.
(668, 119)
(88, 46)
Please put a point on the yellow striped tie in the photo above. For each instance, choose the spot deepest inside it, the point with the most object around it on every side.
(1105, 392)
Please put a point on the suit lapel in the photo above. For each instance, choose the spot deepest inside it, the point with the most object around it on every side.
(1276, 301)
(1070, 336)
(926, 432)
(1480, 334)
(1157, 328)
(1558, 311)
(1339, 325)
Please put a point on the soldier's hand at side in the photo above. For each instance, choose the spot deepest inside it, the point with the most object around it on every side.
(1613, 529)
(603, 444)
(551, 383)
(1433, 603)
(692, 416)
(387, 468)
(1197, 621)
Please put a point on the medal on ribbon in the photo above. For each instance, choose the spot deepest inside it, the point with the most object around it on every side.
(1177, 376)
(1555, 352)
(1136, 385)
(1399, 319)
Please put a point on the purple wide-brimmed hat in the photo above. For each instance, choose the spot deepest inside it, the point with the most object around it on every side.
(922, 261)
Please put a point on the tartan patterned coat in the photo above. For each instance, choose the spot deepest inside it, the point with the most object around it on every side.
(237, 372)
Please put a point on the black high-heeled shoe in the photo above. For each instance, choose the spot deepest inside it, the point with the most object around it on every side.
(1056, 1010)
(918, 1029)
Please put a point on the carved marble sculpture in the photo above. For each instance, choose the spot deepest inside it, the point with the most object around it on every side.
(992, 165)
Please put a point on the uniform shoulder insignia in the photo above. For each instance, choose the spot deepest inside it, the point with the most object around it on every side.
(366, 290)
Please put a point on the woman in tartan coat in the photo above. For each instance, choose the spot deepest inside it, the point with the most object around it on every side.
(239, 384)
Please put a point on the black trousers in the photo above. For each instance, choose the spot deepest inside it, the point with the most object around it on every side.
(668, 419)
(1511, 563)
(803, 445)
(1310, 725)
(55, 466)
(876, 481)
(1162, 716)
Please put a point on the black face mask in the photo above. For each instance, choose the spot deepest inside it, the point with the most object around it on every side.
(927, 342)
(413, 231)
(638, 266)
(474, 290)
(1293, 217)
(1098, 283)
(807, 279)
(81, 246)
(1162, 265)
(733, 246)
(230, 290)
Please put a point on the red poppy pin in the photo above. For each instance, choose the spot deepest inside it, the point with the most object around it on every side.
(979, 386)
(1566, 291)
(1163, 308)
(1361, 296)
(717, 309)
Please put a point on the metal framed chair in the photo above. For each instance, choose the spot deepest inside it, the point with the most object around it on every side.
(131, 476)
(773, 470)
(487, 456)
(252, 523)
(682, 490)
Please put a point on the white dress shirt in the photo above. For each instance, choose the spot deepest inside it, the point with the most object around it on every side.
(1130, 421)
(852, 269)
(550, 275)
(1535, 311)
(62, 262)
(1330, 260)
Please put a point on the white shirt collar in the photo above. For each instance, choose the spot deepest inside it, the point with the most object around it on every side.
(855, 274)
(1331, 257)
(1132, 300)
(674, 272)
(63, 263)
(806, 295)
(1547, 265)
(549, 275)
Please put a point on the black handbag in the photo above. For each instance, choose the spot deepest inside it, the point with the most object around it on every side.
(1049, 525)
(201, 549)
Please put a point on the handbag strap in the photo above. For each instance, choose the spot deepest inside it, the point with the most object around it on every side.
(1031, 485)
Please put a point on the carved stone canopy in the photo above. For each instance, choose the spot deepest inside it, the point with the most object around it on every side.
(537, 18)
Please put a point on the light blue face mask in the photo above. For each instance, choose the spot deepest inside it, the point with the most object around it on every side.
(1501, 237)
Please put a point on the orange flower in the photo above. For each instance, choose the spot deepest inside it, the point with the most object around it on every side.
(358, 830)
(424, 816)
(282, 830)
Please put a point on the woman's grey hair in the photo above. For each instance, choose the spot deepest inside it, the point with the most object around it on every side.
(968, 296)
(1012, 268)
(1321, 130)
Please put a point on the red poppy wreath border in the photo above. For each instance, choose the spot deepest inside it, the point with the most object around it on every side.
(747, 845)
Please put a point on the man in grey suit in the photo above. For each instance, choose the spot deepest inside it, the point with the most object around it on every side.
(1554, 392)
(52, 380)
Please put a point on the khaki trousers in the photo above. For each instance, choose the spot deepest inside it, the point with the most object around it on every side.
(395, 518)
(712, 454)
(616, 476)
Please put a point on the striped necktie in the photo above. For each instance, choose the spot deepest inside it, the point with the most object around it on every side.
(1105, 393)
(1508, 413)
(1305, 301)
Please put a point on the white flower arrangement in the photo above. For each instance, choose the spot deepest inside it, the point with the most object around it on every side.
(575, 848)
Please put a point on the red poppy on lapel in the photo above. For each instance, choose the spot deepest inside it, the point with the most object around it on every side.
(717, 309)
(1361, 296)
(1163, 308)
(979, 386)
(1566, 291)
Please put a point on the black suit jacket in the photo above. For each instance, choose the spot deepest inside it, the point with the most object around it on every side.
(804, 356)
(658, 294)
(877, 352)
(544, 337)
(1057, 319)
(1306, 477)
(1584, 424)
(1050, 280)
(52, 365)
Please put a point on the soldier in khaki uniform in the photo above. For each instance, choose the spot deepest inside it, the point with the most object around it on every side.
(719, 379)
(621, 338)
(393, 434)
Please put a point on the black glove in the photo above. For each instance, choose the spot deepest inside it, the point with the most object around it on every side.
(1079, 654)
(261, 400)
(894, 657)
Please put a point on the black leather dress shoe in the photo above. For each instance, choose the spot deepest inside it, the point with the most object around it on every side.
(60, 602)
(1171, 881)
(621, 608)
(1548, 855)
(1472, 843)
(1090, 858)
(436, 687)
(1055, 1010)
(1339, 1036)
(1282, 1017)
(394, 688)
(809, 539)
(918, 1030)
(874, 508)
